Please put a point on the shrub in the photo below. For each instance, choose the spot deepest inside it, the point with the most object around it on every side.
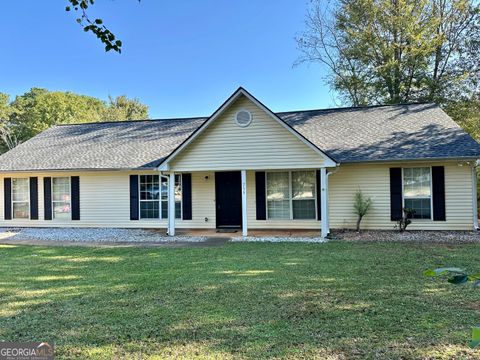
(406, 219)
(361, 205)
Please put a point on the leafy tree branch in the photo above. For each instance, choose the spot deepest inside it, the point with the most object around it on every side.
(94, 26)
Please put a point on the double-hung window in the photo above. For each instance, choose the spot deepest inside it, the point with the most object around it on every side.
(21, 198)
(154, 197)
(291, 195)
(303, 195)
(417, 191)
(149, 197)
(61, 198)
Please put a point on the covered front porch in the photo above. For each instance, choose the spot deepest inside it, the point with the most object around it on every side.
(258, 172)
(251, 201)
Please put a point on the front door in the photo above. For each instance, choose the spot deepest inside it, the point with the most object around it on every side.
(228, 195)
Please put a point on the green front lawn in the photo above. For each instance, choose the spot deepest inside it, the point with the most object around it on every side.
(334, 300)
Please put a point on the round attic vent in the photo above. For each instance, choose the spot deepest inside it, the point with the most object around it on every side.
(243, 118)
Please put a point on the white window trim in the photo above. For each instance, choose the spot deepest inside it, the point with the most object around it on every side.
(290, 192)
(16, 201)
(53, 202)
(416, 197)
(243, 125)
(160, 177)
(140, 198)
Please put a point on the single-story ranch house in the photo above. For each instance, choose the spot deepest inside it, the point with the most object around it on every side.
(249, 168)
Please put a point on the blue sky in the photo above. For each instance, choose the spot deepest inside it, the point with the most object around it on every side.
(182, 58)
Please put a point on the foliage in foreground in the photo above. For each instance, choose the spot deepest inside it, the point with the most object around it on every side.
(459, 276)
(333, 300)
(95, 26)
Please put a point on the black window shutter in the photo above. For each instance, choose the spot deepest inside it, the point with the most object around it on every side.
(261, 203)
(47, 197)
(187, 196)
(133, 197)
(7, 196)
(396, 194)
(34, 198)
(438, 186)
(319, 195)
(75, 184)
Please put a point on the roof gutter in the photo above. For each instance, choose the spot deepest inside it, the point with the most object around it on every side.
(452, 159)
(80, 169)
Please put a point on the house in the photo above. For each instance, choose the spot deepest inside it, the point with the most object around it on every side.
(247, 167)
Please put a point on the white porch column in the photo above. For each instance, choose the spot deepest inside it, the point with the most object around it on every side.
(324, 202)
(244, 203)
(171, 204)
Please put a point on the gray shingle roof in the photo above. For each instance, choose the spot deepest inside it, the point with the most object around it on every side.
(379, 133)
(399, 132)
(104, 145)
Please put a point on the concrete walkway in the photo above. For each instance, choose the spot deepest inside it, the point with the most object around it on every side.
(214, 241)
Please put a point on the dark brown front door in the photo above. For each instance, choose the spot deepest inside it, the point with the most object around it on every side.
(228, 195)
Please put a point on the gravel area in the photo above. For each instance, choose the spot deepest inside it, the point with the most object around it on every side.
(278, 239)
(109, 235)
(93, 235)
(453, 237)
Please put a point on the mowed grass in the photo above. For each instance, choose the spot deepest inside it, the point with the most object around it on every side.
(337, 300)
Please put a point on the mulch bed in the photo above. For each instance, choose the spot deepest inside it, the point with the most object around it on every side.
(454, 237)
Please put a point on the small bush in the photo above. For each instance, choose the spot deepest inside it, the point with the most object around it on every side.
(361, 205)
(406, 219)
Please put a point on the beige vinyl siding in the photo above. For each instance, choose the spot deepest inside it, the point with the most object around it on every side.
(263, 144)
(105, 202)
(374, 181)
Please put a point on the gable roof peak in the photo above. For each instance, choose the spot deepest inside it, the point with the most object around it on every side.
(164, 164)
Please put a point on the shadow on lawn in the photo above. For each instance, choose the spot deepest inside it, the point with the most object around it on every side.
(242, 302)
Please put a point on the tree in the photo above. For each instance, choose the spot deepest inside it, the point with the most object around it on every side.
(467, 114)
(123, 108)
(7, 138)
(5, 108)
(395, 51)
(39, 109)
(361, 205)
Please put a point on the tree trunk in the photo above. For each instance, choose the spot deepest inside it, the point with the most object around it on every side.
(358, 222)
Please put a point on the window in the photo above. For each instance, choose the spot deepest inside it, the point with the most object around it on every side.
(243, 118)
(291, 195)
(417, 191)
(20, 198)
(303, 195)
(149, 197)
(61, 197)
(154, 197)
(278, 195)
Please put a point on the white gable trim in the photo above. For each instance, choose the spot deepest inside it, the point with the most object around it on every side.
(164, 166)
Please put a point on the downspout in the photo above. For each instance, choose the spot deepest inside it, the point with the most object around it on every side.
(328, 196)
(163, 175)
(474, 195)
